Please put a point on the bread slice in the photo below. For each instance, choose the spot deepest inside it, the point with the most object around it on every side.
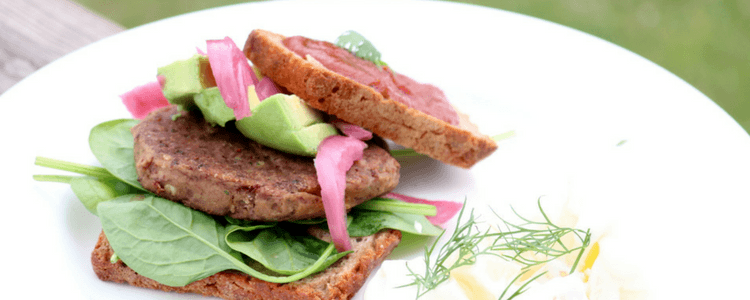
(339, 281)
(323, 89)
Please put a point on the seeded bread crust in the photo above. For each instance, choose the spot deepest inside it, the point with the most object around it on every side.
(341, 280)
(361, 105)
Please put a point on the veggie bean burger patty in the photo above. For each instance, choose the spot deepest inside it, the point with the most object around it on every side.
(217, 170)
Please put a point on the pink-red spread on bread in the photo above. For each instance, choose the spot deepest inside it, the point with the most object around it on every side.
(423, 97)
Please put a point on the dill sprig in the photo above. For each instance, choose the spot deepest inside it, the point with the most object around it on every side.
(539, 238)
(464, 241)
(530, 243)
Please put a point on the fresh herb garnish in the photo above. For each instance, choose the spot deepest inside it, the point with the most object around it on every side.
(530, 243)
(359, 46)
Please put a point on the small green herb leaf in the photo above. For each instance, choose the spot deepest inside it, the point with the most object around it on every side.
(360, 46)
(112, 144)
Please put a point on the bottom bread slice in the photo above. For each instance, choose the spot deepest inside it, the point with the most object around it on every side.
(339, 281)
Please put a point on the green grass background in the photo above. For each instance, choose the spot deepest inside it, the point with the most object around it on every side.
(704, 42)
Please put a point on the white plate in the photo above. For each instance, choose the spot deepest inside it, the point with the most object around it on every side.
(677, 188)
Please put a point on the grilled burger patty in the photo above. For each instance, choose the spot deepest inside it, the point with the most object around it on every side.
(219, 171)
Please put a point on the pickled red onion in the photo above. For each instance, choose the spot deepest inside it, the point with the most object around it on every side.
(336, 154)
(233, 74)
(266, 88)
(445, 209)
(144, 99)
(353, 130)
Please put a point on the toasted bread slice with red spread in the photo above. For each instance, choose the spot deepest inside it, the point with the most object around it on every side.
(459, 145)
(339, 281)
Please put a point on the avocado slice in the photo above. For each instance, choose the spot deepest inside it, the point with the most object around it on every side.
(212, 105)
(183, 79)
(286, 123)
(252, 97)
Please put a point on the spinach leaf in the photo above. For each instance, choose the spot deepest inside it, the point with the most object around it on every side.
(248, 225)
(367, 222)
(309, 221)
(91, 190)
(280, 248)
(176, 245)
(112, 144)
(97, 186)
(397, 206)
(247, 228)
(165, 241)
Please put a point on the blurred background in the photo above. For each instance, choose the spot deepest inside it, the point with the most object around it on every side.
(704, 42)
